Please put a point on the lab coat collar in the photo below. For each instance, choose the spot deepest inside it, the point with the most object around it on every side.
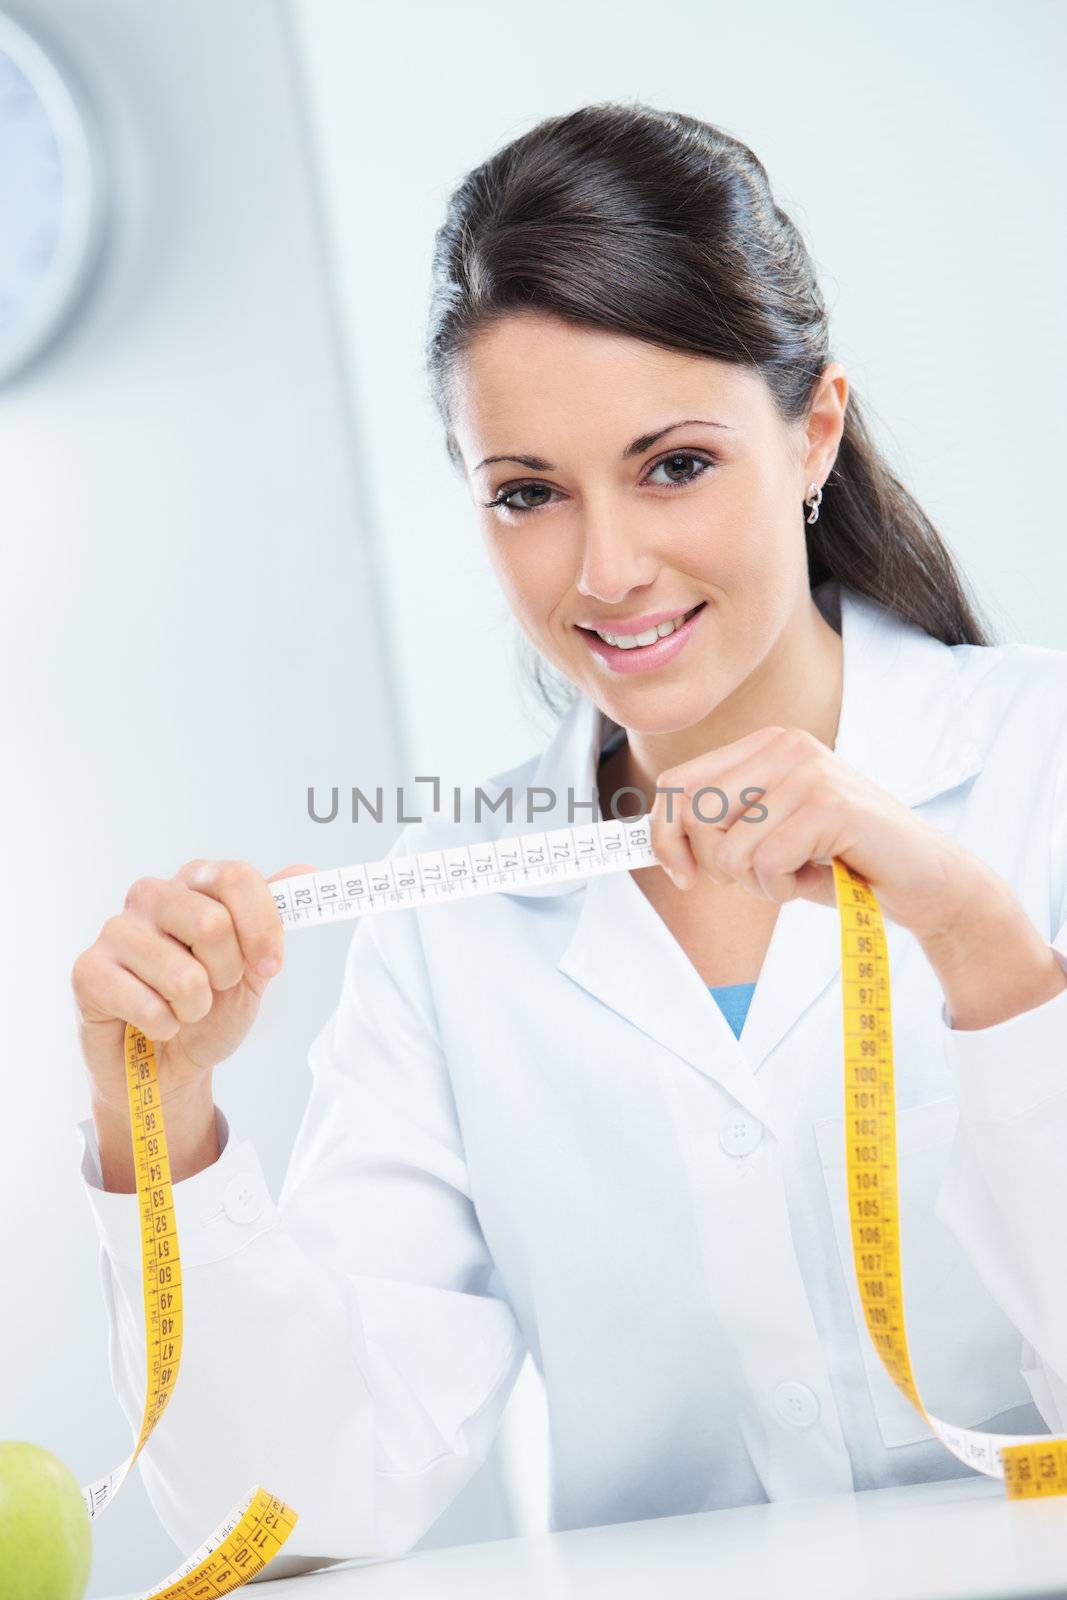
(904, 723)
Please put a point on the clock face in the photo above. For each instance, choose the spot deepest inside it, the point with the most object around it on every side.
(50, 201)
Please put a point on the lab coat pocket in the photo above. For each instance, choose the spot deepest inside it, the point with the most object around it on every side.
(964, 1350)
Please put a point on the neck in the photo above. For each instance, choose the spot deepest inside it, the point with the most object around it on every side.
(798, 684)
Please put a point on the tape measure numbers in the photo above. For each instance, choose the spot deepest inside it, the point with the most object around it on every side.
(257, 1527)
(1031, 1465)
(433, 876)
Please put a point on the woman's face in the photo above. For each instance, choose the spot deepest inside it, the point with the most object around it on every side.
(655, 485)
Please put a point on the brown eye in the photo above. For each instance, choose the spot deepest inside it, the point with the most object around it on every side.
(534, 489)
(506, 497)
(678, 462)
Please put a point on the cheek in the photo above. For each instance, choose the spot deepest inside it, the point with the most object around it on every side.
(717, 542)
(748, 520)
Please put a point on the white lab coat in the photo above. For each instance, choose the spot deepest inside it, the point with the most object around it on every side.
(531, 1127)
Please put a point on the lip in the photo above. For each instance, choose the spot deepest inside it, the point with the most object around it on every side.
(628, 627)
(644, 658)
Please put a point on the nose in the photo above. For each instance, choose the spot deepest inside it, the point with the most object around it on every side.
(615, 558)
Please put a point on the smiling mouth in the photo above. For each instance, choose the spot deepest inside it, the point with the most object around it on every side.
(646, 640)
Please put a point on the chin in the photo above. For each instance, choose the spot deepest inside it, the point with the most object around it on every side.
(671, 711)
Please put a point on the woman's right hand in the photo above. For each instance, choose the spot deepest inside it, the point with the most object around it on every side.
(187, 961)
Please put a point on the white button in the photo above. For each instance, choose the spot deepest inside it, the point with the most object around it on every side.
(796, 1403)
(242, 1200)
(740, 1133)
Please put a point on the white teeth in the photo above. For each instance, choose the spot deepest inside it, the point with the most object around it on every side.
(631, 641)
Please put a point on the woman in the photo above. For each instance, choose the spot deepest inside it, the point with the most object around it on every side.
(530, 1126)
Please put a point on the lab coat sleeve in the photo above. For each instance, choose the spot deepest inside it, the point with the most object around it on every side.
(1003, 1194)
(349, 1348)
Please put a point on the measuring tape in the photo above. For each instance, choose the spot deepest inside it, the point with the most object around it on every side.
(250, 1536)
(258, 1526)
(1031, 1465)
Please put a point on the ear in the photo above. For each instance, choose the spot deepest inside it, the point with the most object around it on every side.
(825, 423)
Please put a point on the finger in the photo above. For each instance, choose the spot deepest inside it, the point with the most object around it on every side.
(195, 920)
(163, 966)
(781, 857)
(136, 1001)
(746, 811)
(105, 992)
(782, 861)
(704, 820)
(743, 779)
(244, 892)
(667, 832)
(728, 852)
(705, 796)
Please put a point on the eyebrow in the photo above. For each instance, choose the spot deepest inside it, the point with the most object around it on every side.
(643, 442)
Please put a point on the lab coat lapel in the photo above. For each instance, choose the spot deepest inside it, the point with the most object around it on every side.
(622, 952)
(903, 723)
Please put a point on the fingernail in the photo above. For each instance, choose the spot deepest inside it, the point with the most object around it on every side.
(673, 876)
(268, 966)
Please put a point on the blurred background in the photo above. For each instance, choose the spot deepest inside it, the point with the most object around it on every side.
(236, 559)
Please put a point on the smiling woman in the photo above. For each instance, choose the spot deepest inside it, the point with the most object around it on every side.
(531, 1128)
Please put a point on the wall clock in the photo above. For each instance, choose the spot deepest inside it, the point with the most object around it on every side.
(51, 198)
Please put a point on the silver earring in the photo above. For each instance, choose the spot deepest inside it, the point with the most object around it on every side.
(813, 499)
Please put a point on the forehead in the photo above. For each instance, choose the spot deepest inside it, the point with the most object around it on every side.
(530, 382)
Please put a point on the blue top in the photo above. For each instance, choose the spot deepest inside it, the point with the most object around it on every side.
(734, 1000)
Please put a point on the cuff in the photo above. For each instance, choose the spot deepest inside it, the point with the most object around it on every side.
(217, 1211)
(1012, 1067)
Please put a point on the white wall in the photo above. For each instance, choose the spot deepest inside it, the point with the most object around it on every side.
(211, 453)
(187, 585)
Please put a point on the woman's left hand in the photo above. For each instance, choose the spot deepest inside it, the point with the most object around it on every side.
(788, 805)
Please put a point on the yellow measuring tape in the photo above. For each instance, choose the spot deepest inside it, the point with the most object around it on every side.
(255, 1530)
(1031, 1465)
(250, 1536)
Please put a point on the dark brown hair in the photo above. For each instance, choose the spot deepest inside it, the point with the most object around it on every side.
(661, 227)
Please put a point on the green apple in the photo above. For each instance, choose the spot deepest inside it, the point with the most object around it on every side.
(46, 1542)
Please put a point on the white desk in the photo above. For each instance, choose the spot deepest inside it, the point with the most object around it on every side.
(956, 1540)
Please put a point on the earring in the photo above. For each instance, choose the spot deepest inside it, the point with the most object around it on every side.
(813, 499)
